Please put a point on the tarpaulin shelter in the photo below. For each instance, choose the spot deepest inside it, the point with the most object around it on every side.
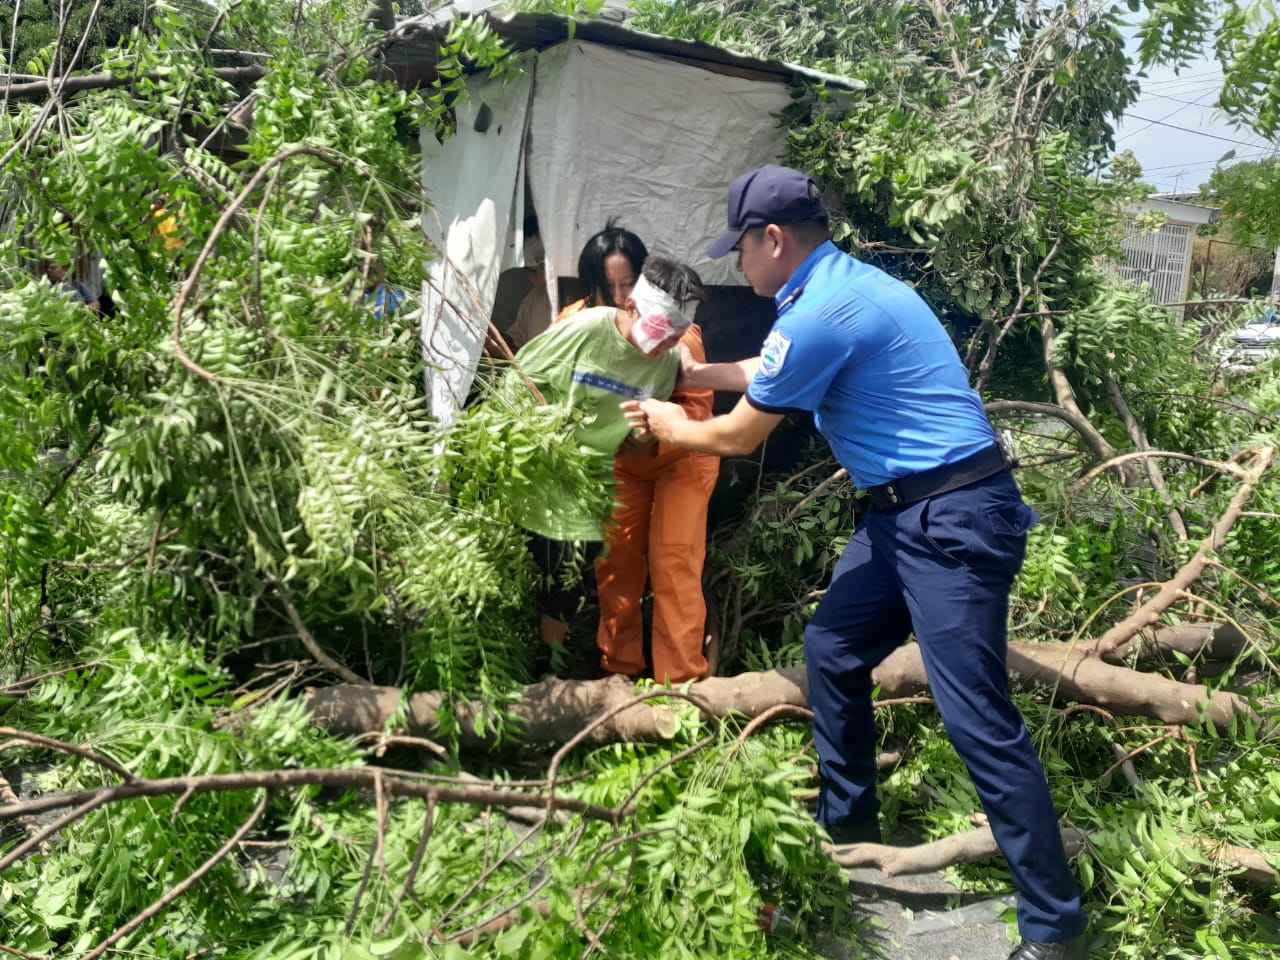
(601, 121)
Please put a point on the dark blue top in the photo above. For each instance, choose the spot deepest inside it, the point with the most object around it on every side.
(869, 358)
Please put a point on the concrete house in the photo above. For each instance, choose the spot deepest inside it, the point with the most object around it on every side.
(1161, 259)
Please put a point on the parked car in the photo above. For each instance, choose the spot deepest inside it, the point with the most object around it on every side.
(1256, 341)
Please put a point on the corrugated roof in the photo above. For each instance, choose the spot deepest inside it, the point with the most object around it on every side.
(412, 55)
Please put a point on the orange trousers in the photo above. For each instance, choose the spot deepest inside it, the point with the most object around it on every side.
(659, 534)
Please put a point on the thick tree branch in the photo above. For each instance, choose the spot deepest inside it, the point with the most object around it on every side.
(1150, 611)
(1154, 473)
(105, 81)
(1213, 642)
(1066, 396)
(357, 778)
(557, 711)
(959, 848)
(1248, 865)
(1220, 466)
(1074, 419)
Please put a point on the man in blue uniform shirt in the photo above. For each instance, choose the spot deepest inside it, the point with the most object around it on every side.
(936, 551)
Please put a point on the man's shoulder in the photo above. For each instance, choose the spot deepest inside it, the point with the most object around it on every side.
(847, 284)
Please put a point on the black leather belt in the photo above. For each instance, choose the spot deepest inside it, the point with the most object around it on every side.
(930, 483)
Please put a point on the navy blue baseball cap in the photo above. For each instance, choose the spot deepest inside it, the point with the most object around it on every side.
(768, 194)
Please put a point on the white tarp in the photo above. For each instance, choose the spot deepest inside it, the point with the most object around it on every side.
(476, 187)
(651, 141)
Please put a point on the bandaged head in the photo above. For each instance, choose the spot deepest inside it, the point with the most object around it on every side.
(661, 316)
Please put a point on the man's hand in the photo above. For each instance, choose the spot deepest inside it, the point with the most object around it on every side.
(653, 418)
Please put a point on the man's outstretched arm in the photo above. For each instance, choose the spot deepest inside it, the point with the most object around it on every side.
(735, 433)
(715, 376)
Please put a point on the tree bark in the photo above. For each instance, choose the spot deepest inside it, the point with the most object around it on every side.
(1245, 864)
(1217, 642)
(959, 848)
(1154, 473)
(553, 711)
(1066, 396)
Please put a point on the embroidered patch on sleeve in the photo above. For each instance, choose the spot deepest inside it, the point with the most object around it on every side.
(773, 354)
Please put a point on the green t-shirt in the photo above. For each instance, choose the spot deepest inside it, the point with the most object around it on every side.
(586, 363)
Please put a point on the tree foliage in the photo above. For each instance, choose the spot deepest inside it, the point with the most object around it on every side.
(1248, 193)
(42, 35)
(232, 483)
(237, 468)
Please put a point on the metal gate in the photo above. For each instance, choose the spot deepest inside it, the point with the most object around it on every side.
(1159, 259)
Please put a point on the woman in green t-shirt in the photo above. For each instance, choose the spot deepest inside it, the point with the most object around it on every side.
(602, 357)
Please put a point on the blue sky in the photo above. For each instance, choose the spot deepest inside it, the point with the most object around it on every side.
(1182, 159)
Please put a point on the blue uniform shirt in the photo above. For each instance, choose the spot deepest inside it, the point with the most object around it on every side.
(869, 358)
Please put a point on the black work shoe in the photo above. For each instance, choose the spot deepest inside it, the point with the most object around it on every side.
(1076, 949)
(858, 831)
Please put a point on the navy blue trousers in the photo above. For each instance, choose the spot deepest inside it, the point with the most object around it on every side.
(942, 569)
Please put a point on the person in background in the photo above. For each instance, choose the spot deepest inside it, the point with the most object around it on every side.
(57, 274)
(382, 300)
(659, 529)
(606, 354)
(934, 554)
(534, 314)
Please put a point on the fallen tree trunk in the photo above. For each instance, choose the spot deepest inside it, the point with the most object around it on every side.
(1076, 674)
(970, 847)
(1244, 863)
(554, 711)
(551, 711)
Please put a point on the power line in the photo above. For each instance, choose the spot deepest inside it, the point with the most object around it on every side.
(1175, 110)
(1165, 96)
(1202, 163)
(1182, 87)
(1195, 76)
(1198, 133)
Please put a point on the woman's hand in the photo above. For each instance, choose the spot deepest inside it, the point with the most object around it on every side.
(654, 418)
(634, 446)
(689, 368)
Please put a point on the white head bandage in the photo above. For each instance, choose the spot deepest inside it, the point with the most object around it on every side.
(661, 316)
